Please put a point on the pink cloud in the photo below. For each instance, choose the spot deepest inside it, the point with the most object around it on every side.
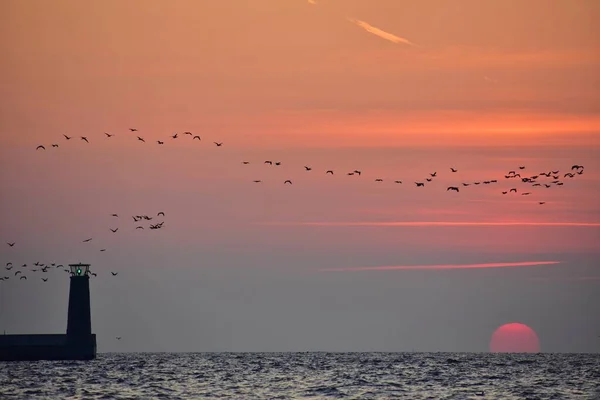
(434, 223)
(444, 266)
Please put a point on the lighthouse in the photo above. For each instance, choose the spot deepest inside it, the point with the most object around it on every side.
(79, 343)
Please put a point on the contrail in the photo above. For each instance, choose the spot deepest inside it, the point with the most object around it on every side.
(382, 34)
(443, 266)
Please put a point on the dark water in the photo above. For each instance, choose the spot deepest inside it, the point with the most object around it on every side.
(307, 376)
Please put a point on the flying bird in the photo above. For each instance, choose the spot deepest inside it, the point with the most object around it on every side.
(452, 188)
(525, 194)
(428, 179)
(287, 181)
(114, 273)
(307, 168)
(378, 180)
(433, 175)
(219, 144)
(108, 135)
(523, 167)
(453, 170)
(245, 162)
(419, 184)
(114, 215)
(54, 145)
(102, 249)
(159, 142)
(45, 279)
(67, 137)
(133, 129)
(513, 190)
(542, 202)
(114, 230)
(142, 139)
(329, 172)
(23, 277)
(174, 136)
(397, 181)
(11, 244)
(87, 240)
(257, 181)
(269, 162)
(84, 139)
(187, 133)
(160, 213)
(40, 147)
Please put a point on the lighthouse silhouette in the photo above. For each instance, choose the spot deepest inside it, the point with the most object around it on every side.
(79, 343)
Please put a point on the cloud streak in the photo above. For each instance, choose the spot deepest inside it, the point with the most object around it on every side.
(435, 224)
(382, 34)
(441, 267)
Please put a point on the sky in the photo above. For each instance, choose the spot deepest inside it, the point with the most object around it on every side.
(397, 89)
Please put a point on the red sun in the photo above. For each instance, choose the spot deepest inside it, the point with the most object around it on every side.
(514, 338)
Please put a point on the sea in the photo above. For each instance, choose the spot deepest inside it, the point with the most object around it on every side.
(310, 375)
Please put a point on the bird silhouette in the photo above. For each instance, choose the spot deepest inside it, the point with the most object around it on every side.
(45, 279)
(118, 338)
(114, 230)
(257, 181)
(218, 144)
(85, 139)
(87, 240)
(428, 179)
(466, 184)
(397, 181)
(102, 249)
(158, 141)
(525, 194)
(133, 129)
(453, 170)
(23, 277)
(54, 145)
(307, 168)
(504, 192)
(11, 244)
(114, 215)
(139, 227)
(277, 163)
(287, 181)
(40, 147)
(378, 180)
(196, 137)
(513, 190)
(419, 184)
(108, 135)
(160, 213)
(141, 139)
(187, 133)
(576, 167)
(269, 162)
(114, 273)
(329, 172)
(452, 188)
(357, 172)
(523, 167)
(433, 175)
(174, 136)
(67, 137)
(542, 202)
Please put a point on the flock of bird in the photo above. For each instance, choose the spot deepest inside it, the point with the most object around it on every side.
(44, 268)
(544, 179)
(534, 179)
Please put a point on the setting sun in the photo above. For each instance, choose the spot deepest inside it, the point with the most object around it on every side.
(514, 338)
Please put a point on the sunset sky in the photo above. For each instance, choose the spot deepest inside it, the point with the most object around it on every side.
(397, 89)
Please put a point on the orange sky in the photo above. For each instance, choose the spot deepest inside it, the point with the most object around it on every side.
(416, 87)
